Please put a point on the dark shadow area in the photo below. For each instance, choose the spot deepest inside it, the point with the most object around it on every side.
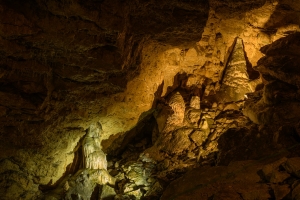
(157, 95)
(286, 13)
(134, 141)
(21, 6)
(179, 85)
(95, 194)
(288, 45)
(227, 59)
(180, 80)
(78, 158)
(166, 21)
(281, 60)
(232, 8)
(252, 73)
(244, 144)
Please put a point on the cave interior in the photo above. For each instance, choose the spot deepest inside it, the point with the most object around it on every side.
(149, 99)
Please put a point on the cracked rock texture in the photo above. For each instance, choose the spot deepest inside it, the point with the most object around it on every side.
(195, 98)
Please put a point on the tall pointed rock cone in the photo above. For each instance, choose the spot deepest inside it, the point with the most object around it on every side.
(235, 83)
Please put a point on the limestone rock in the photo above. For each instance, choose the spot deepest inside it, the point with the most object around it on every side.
(81, 187)
(199, 137)
(215, 181)
(176, 142)
(214, 105)
(193, 114)
(276, 92)
(195, 102)
(14, 183)
(161, 118)
(296, 192)
(107, 192)
(193, 117)
(138, 174)
(292, 166)
(155, 191)
(281, 191)
(82, 184)
(272, 173)
(282, 65)
(204, 125)
(136, 194)
(231, 107)
(122, 197)
(101, 177)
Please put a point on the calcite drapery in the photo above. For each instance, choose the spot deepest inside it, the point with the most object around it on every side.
(94, 157)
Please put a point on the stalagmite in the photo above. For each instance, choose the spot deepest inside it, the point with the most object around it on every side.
(177, 104)
(193, 114)
(94, 157)
(195, 102)
(235, 83)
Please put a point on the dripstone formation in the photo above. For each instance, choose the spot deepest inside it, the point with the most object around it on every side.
(93, 156)
(174, 99)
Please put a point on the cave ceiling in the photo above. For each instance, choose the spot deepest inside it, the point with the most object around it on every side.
(66, 64)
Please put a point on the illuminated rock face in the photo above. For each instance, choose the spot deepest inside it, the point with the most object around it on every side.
(94, 157)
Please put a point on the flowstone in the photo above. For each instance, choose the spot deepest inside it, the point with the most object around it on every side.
(94, 157)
